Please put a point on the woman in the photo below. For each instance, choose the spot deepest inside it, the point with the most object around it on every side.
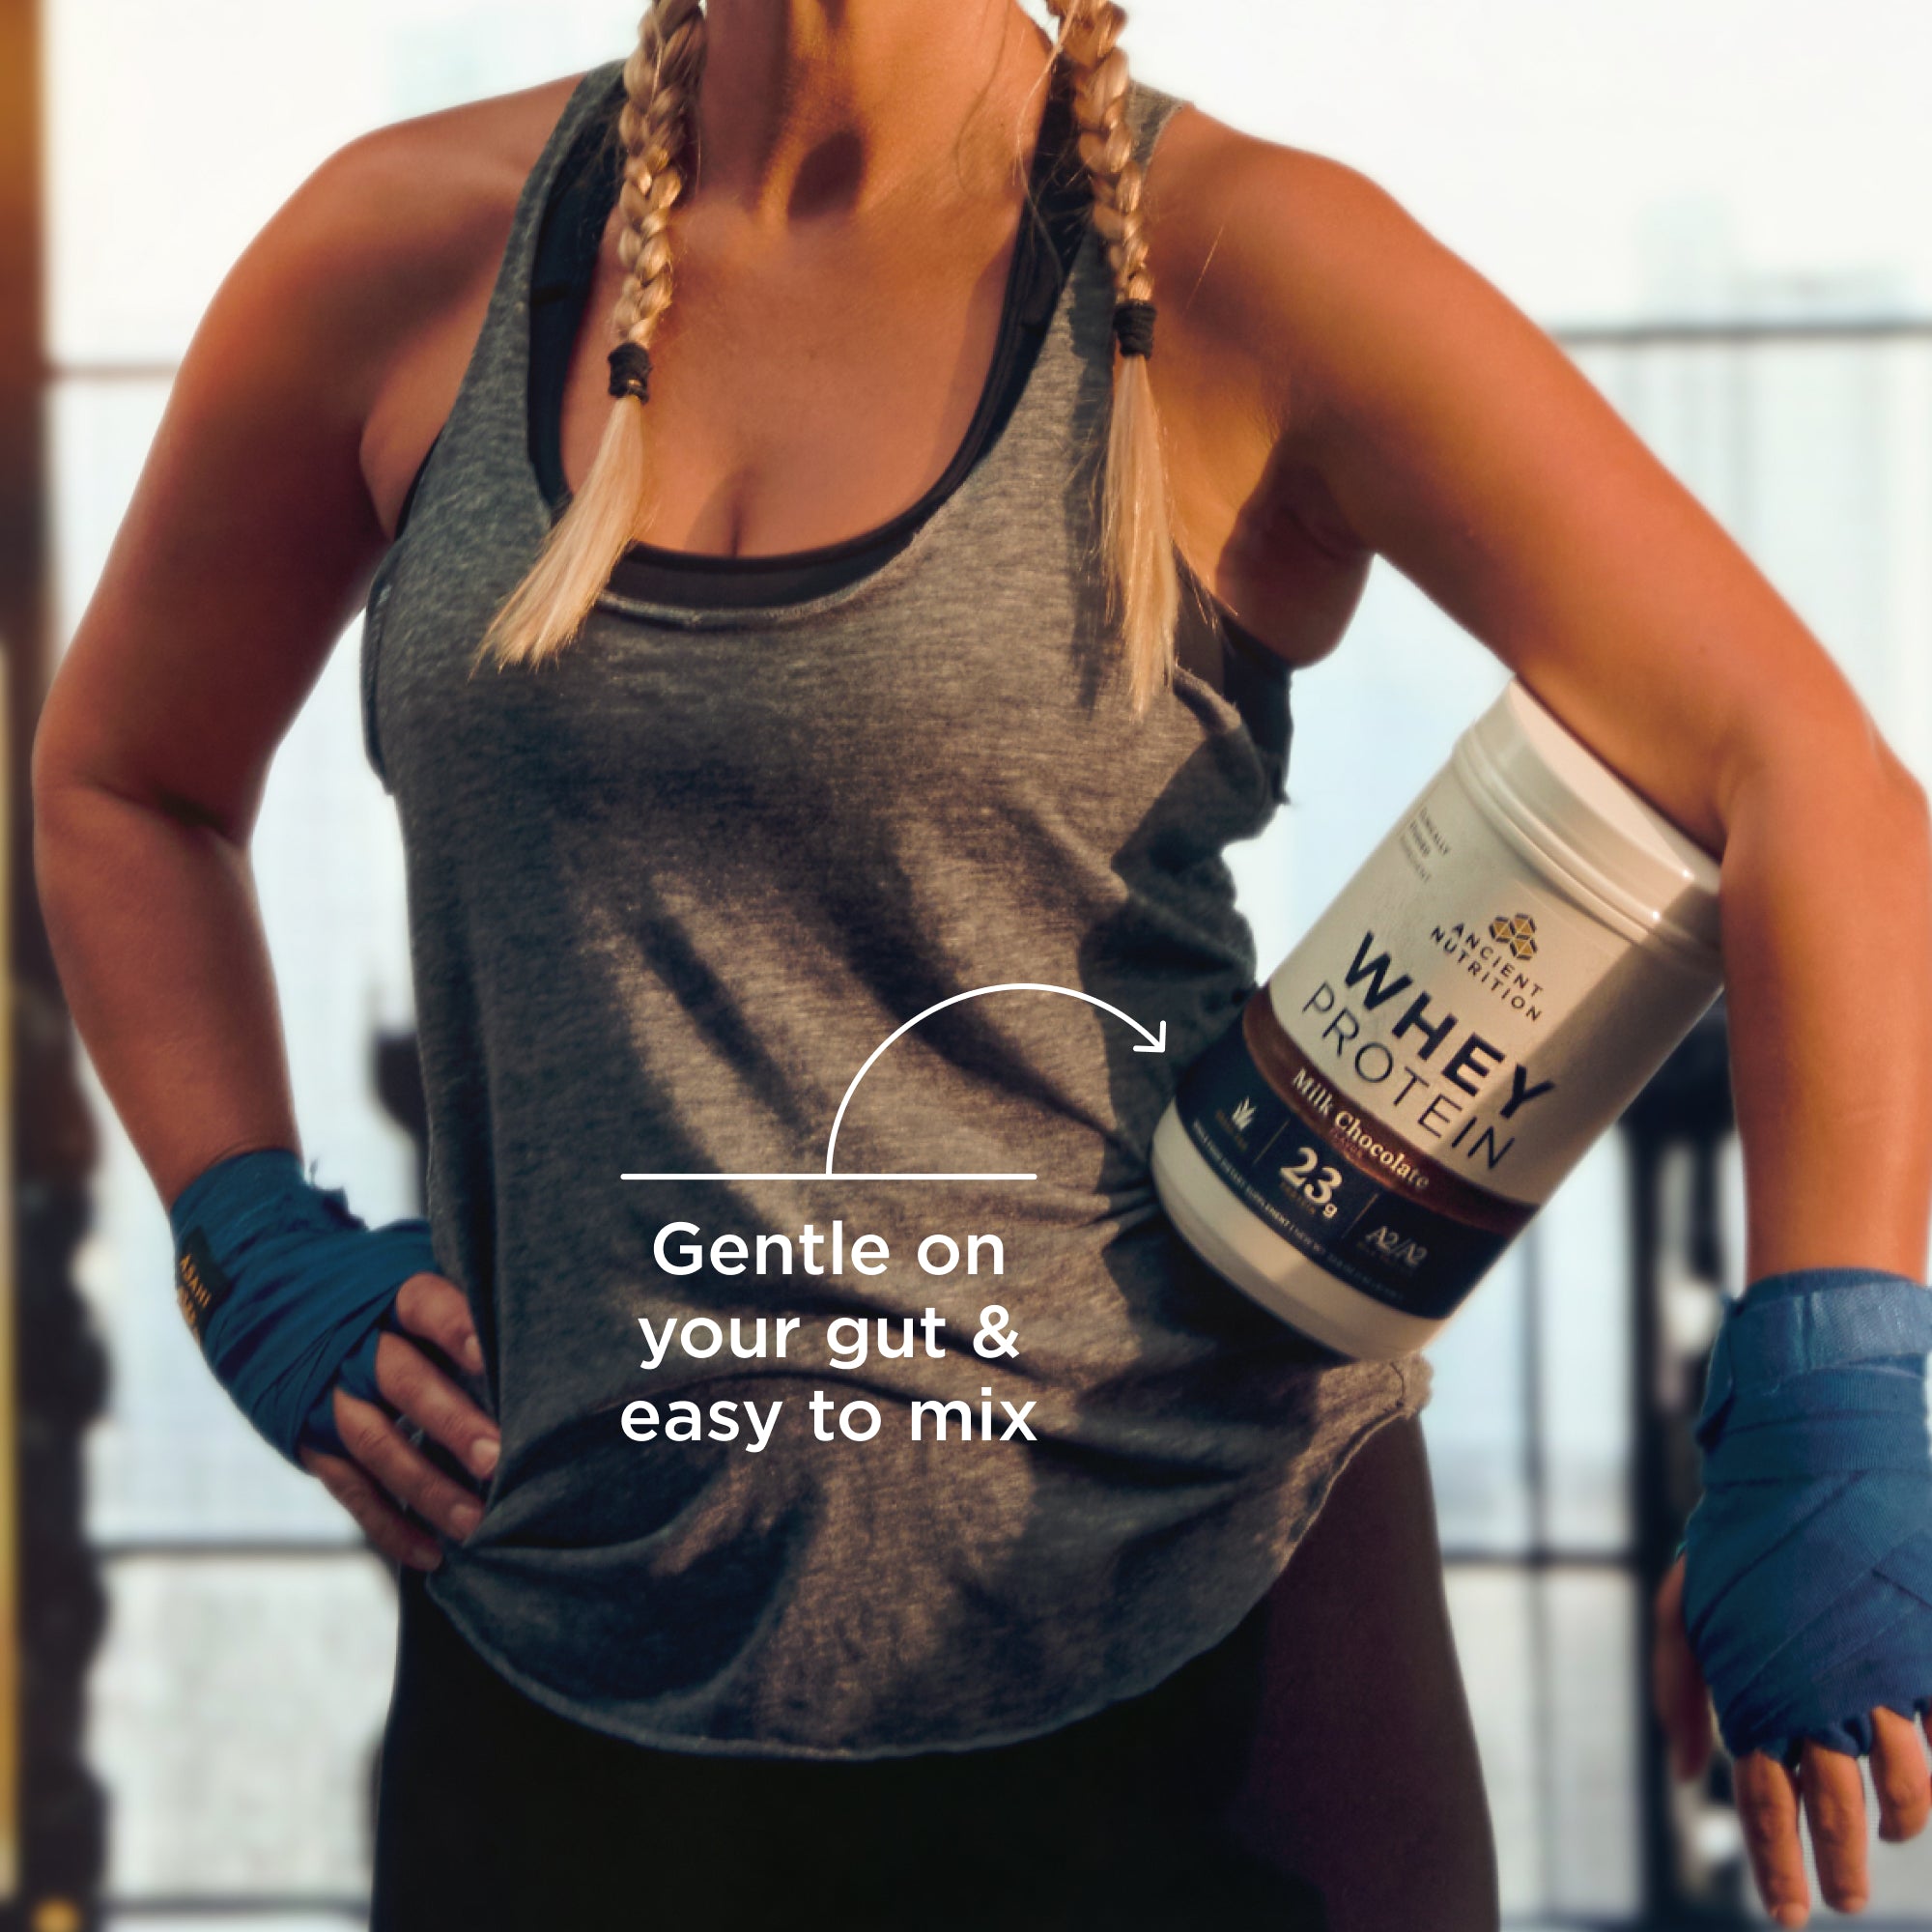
(703, 795)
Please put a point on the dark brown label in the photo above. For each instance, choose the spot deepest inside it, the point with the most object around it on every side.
(1366, 1204)
(1366, 1142)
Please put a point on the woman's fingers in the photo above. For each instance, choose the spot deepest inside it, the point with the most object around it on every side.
(1833, 1791)
(1829, 1786)
(1830, 1790)
(371, 1436)
(1899, 1777)
(379, 1521)
(411, 1382)
(1678, 1694)
(1767, 1799)
(434, 1307)
(384, 1468)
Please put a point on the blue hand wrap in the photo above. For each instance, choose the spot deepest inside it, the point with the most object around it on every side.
(287, 1291)
(1808, 1585)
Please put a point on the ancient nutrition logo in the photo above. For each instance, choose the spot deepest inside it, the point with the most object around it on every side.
(1518, 931)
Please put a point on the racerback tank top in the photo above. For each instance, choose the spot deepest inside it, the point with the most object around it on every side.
(892, 859)
(577, 206)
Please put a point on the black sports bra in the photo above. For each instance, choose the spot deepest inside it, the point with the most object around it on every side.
(1248, 674)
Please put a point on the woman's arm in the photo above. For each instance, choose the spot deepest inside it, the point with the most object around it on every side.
(1451, 435)
(247, 546)
(241, 556)
(1455, 439)
(1462, 444)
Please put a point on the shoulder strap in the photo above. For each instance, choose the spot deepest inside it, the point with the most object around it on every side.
(490, 403)
(1207, 642)
(1147, 111)
(469, 474)
(570, 228)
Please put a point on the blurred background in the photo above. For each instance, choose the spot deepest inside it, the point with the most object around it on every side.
(1721, 208)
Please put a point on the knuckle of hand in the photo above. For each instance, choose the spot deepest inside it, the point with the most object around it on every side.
(1900, 1792)
(401, 1377)
(1833, 1831)
(436, 1304)
(435, 1496)
(417, 1297)
(398, 1349)
(1765, 1833)
(459, 1421)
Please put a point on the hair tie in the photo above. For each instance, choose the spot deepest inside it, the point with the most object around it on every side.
(631, 371)
(1133, 328)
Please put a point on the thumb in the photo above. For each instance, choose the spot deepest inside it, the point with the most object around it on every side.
(1678, 1692)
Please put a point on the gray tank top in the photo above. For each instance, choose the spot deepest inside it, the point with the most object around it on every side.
(667, 897)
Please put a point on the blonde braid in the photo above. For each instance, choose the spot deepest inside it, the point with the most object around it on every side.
(1136, 530)
(661, 82)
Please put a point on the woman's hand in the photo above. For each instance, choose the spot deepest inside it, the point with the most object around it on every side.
(1827, 1785)
(390, 1477)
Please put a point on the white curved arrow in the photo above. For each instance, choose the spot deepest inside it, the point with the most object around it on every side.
(1154, 1043)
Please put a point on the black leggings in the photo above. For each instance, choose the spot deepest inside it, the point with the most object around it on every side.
(496, 1815)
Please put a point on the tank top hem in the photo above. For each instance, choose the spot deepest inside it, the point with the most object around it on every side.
(1406, 1403)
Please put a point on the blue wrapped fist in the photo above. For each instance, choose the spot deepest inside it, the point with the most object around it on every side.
(1808, 1590)
(287, 1291)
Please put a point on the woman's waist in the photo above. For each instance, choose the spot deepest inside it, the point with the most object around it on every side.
(656, 1465)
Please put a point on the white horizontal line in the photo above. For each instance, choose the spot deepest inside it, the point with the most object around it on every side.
(828, 1176)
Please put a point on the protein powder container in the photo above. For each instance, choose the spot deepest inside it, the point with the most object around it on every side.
(1483, 996)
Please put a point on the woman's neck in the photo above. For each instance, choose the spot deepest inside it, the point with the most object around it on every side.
(811, 109)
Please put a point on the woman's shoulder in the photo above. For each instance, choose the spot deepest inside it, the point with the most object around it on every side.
(395, 217)
(1305, 312)
(381, 263)
(1257, 246)
(1298, 304)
